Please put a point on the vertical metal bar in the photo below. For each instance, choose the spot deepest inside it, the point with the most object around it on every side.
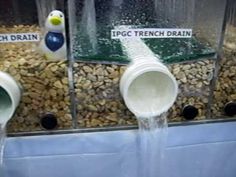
(70, 67)
(217, 62)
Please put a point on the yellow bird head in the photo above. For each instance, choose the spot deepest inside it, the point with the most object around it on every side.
(55, 21)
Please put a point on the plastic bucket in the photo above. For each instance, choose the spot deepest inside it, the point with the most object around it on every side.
(10, 94)
(147, 86)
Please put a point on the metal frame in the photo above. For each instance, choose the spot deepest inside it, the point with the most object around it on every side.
(117, 128)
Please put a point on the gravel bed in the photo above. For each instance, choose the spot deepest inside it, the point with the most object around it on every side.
(100, 103)
(44, 83)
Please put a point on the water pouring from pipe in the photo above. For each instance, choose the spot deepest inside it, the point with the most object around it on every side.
(149, 90)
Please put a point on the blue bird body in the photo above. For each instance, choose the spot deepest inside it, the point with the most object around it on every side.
(54, 41)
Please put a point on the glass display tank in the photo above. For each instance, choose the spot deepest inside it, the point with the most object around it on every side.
(75, 68)
(44, 83)
(83, 91)
(100, 58)
(224, 95)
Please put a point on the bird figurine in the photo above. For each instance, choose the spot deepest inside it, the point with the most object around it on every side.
(53, 44)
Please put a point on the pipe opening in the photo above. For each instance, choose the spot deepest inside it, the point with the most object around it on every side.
(49, 121)
(230, 109)
(5, 103)
(151, 92)
(147, 86)
(189, 112)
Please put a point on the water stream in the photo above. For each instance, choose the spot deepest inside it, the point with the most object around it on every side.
(2, 145)
(88, 23)
(152, 136)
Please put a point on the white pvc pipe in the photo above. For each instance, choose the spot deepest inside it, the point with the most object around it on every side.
(147, 86)
(10, 95)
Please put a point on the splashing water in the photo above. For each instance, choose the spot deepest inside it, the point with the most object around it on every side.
(152, 136)
(44, 7)
(2, 144)
(143, 157)
(89, 23)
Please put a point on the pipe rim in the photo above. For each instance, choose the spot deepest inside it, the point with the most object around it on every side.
(139, 70)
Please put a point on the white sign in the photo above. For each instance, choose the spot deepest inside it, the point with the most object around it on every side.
(151, 33)
(19, 37)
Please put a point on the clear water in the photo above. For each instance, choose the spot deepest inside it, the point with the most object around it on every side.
(152, 137)
(44, 7)
(88, 23)
(2, 144)
(231, 15)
